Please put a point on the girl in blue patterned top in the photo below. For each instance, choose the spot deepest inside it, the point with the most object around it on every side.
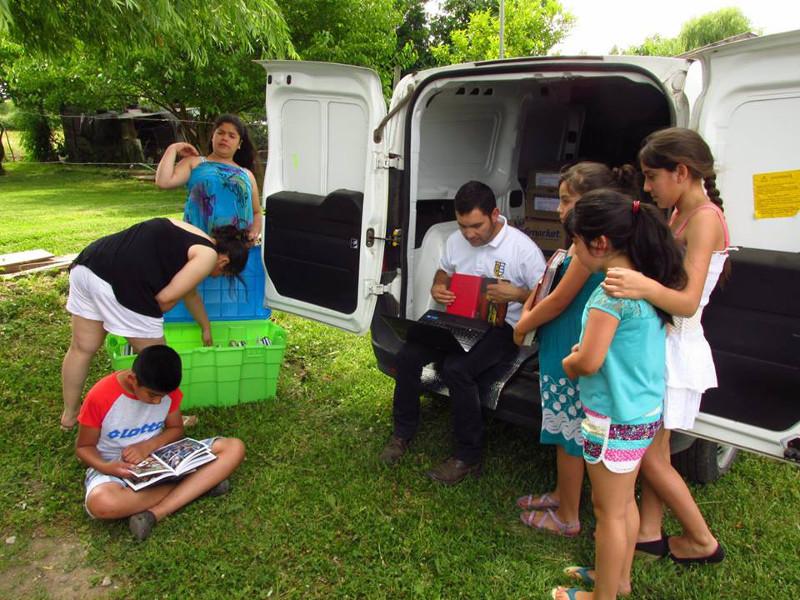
(557, 320)
(222, 188)
(619, 363)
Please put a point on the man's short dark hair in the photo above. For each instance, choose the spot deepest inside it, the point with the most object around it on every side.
(158, 368)
(475, 194)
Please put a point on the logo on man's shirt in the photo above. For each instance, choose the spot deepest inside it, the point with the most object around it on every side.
(499, 269)
(129, 433)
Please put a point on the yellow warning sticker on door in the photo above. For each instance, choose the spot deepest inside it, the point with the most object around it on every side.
(776, 194)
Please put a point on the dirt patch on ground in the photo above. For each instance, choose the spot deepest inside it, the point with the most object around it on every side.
(52, 568)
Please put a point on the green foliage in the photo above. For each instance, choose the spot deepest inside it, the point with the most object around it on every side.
(355, 32)
(413, 34)
(39, 136)
(695, 33)
(654, 45)
(196, 28)
(531, 28)
(713, 27)
(454, 15)
(207, 66)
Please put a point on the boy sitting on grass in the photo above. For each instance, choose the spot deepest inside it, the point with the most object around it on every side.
(126, 416)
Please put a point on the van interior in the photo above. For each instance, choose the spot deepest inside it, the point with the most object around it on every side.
(501, 130)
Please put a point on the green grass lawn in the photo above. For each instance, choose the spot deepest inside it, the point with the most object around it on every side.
(312, 513)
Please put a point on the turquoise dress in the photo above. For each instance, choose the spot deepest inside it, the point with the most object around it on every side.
(219, 195)
(562, 411)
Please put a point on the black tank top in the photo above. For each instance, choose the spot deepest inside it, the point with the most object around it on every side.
(140, 261)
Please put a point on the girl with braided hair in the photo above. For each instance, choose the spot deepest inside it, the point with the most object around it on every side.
(678, 168)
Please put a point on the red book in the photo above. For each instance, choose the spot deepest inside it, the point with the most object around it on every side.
(467, 289)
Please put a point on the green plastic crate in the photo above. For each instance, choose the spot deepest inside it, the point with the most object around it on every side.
(219, 375)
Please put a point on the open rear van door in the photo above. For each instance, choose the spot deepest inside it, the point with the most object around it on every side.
(747, 112)
(325, 192)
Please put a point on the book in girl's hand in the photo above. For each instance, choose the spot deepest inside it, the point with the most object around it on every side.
(170, 461)
(545, 286)
(471, 300)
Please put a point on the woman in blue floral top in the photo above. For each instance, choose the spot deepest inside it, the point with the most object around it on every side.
(222, 188)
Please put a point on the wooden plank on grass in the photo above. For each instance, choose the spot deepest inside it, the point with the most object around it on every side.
(20, 258)
(55, 263)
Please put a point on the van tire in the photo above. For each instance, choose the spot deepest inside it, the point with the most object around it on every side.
(704, 461)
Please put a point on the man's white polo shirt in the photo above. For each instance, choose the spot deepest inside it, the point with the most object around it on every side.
(510, 255)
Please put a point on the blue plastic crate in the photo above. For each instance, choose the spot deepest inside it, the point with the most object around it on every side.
(224, 302)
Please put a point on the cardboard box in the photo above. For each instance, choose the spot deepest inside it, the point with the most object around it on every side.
(539, 206)
(541, 195)
(545, 179)
(549, 235)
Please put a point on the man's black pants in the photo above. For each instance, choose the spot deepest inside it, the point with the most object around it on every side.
(460, 372)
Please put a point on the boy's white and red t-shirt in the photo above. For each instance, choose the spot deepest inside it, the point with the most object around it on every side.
(123, 419)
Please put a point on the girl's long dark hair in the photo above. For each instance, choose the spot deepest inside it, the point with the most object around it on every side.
(232, 242)
(634, 228)
(246, 155)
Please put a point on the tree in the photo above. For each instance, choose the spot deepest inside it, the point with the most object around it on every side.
(531, 28)
(194, 27)
(205, 70)
(414, 33)
(357, 32)
(713, 27)
(454, 15)
(695, 33)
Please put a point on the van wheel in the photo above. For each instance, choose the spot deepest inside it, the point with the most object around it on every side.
(704, 461)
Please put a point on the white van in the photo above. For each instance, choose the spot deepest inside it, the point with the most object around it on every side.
(359, 202)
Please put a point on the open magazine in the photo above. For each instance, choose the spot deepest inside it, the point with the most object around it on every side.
(545, 286)
(170, 461)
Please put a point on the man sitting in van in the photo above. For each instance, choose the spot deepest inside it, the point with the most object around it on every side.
(486, 246)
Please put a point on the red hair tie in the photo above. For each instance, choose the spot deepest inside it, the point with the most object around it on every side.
(635, 207)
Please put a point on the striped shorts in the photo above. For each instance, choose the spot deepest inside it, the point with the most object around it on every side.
(619, 446)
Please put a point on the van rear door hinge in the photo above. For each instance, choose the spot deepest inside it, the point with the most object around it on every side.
(388, 161)
(376, 289)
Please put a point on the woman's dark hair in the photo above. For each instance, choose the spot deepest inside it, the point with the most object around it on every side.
(246, 155)
(233, 243)
(158, 368)
(634, 228)
(668, 148)
(587, 175)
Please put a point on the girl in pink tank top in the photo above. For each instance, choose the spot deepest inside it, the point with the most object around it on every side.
(679, 174)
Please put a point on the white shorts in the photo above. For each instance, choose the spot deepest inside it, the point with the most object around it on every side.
(93, 298)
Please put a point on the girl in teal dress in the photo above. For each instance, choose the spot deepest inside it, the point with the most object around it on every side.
(222, 188)
(557, 320)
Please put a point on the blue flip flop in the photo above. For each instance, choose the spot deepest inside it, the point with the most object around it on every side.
(571, 592)
(581, 574)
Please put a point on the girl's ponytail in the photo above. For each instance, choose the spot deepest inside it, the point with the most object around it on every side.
(627, 179)
(587, 175)
(634, 228)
